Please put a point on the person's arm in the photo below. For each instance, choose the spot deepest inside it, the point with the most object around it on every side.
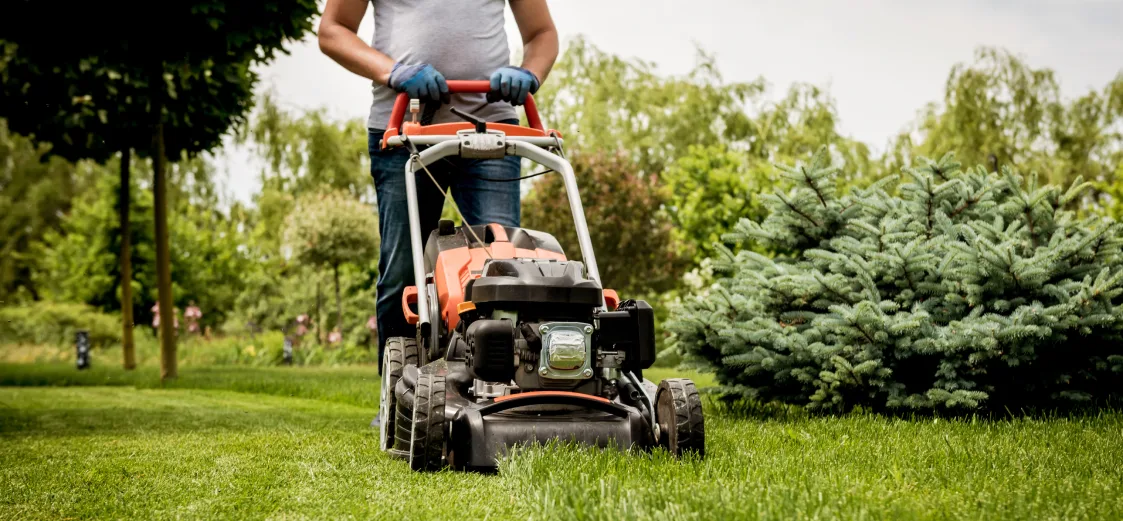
(339, 39)
(540, 37)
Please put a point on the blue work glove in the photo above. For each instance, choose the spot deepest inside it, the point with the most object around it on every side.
(420, 81)
(511, 84)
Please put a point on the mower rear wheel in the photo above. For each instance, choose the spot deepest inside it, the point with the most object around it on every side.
(399, 352)
(430, 428)
(678, 410)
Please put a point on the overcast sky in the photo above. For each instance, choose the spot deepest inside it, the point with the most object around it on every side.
(881, 60)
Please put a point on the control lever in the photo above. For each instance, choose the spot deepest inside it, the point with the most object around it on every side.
(481, 125)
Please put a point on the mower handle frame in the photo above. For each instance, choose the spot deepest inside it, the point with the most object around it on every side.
(518, 146)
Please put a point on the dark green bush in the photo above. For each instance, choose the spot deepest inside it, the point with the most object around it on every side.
(959, 290)
(53, 323)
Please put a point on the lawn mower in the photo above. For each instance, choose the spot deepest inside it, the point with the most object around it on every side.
(515, 343)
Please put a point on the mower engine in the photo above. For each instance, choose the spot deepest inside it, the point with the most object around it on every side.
(535, 325)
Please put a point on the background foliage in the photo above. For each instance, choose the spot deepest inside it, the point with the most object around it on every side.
(1000, 105)
(330, 229)
(53, 323)
(37, 192)
(637, 253)
(78, 262)
(667, 164)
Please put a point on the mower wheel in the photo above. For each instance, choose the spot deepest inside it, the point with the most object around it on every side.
(427, 444)
(678, 410)
(399, 352)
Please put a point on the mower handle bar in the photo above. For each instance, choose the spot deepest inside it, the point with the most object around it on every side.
(544, 142)
(401, 103)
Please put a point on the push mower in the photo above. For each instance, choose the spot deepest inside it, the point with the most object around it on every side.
(515, 343)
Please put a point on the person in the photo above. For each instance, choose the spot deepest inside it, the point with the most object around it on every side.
(372, 327)
(302, 325)
(156, 317)
(417, 45)
(193, 314)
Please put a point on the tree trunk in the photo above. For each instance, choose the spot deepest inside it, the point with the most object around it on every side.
(319, 305)
(126, 264)
(338, 301)
(163, 262)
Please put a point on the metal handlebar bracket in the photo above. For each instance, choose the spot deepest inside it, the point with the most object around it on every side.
(474, 145)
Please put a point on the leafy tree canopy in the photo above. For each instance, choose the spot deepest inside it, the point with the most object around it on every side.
(308, 151)
(98, 97)
(602, 102)
(330, 229)
(636, 251)
(709, 142)
(304, 153)
(1000, 105)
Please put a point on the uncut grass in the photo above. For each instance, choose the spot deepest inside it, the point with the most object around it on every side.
(851, 468)
(117, 452)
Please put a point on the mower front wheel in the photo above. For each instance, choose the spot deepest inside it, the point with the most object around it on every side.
(678, 410)
(430, 427)
(399, 352)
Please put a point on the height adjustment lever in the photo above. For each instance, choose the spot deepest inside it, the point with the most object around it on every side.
(481, 125)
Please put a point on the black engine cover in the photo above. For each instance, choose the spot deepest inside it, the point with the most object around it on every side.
(534, 281)
(491, 350)
(631, 329)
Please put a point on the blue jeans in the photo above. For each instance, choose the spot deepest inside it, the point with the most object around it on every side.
(480, 201)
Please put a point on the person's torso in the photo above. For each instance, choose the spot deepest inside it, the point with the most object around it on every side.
(463, 39)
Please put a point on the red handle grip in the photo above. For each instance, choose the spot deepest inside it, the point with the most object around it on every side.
(401, 103)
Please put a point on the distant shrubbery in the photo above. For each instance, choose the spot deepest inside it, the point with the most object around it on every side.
(268, 350)
(44, 332)
(55, 323)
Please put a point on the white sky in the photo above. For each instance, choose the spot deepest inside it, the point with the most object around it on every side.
(881, 60)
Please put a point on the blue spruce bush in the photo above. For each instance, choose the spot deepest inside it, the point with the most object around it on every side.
(957, 290)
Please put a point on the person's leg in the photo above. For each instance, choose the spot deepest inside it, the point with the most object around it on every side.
(395, 258)
(483, 201)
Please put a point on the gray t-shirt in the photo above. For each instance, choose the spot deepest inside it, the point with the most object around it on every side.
(463, 39)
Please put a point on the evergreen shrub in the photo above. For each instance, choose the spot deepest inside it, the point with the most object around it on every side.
(954, 290)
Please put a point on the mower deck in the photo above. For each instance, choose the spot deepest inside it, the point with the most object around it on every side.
(480, 434)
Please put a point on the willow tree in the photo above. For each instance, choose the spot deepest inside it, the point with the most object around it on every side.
(999, 105)
(171, 88)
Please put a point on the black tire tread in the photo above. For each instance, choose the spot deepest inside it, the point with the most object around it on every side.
(400, 352)
(427, 443)
(403, 424)
(689, 423)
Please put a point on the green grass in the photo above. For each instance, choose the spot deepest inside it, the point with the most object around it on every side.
(276, 443)
(352, 385)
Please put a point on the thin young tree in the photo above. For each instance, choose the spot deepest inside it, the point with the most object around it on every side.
(329, 230)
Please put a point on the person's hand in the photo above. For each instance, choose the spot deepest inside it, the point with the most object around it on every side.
(420, 81)
(512, 84)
